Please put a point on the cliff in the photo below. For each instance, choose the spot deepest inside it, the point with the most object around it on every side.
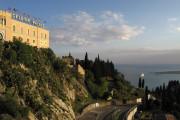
(37, 85)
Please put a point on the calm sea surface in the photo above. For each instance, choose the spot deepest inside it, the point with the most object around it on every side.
(132, 73)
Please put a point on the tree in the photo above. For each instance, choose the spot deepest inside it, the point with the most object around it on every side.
(86, 61)
(98, 58)
(164, 87)
(10, 55)
(24, 52)
(59, 65)
(1, 48)
(70, 54)
(97, 69)
(139, 84)
(146, 98)
(142, 85)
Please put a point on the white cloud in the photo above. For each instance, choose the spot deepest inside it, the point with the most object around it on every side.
(178, 29)
(82, 28)
(174, 24)
(173, 19)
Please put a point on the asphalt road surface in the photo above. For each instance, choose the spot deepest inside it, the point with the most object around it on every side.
(105, 113)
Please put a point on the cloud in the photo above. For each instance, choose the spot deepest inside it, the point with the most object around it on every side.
(174, 24)
(82, 28)
(173, 19)
(178, 29)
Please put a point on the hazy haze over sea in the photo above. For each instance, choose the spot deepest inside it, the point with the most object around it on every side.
(132, 73)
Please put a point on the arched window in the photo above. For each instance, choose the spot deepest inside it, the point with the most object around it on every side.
(14, 28)
(20, 39)
(1, 21)
(34, 33)
(28, 31)
(45, 36)
(4, 21)
(21, 30)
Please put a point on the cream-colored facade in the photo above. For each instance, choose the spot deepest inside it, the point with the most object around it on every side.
(25, 28)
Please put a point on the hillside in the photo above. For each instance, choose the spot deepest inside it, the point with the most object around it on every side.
(35, 84)
(103, 81)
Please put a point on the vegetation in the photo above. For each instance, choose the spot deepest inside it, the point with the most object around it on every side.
(103, 80)
(141, 83)
(31, 77)
(167, 99)
(170, 97)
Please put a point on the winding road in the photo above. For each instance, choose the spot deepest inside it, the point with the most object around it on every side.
(106, 113)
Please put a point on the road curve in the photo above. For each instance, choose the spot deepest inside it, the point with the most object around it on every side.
(104, 113)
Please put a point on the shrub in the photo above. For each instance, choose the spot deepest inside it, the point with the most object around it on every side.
(10, 55)
(9, 105)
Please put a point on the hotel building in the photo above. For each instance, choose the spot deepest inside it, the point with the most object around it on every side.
(16, 25)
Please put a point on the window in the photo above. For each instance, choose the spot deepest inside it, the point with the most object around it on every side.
(28, 40)
(14, 38)
(28, 31)
(33, 41)
(1, 21)
(4, 21)
(41, 36)
(20, 39)
(14, 28)
(21, 30)
(34, 33)
(45, 36)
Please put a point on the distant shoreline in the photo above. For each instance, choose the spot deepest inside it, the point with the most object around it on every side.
(168, 72)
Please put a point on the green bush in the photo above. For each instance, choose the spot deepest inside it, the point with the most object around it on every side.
(9, 105)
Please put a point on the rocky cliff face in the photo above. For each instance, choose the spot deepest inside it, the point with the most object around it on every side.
(58, 109)
(37, 85)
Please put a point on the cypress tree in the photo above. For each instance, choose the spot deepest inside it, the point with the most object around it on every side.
(97, 69)
(1, 49)
(70, 54)
(86, 61)
(139, 84)
(142, 85)
(146, 98)
(98, 58)
(164, 87)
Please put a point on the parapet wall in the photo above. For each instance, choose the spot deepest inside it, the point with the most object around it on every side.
(131, 113)
(95, 105)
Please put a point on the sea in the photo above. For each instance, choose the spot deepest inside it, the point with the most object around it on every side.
(152, 79)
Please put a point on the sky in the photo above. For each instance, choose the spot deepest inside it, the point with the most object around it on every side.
(124, 31)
